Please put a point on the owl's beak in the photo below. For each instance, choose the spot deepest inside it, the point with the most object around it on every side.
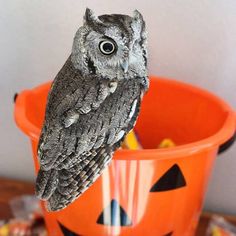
(125, 66)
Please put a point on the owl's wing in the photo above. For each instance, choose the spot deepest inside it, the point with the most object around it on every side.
(72, 157)
(70, 99)
(73, 94)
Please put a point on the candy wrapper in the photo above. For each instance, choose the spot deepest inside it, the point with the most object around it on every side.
(24, 206)
(218, 226)
(28, 218)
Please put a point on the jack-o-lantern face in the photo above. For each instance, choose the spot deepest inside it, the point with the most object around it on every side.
(114, 215)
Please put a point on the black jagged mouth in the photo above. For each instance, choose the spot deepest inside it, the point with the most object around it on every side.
(67, 232)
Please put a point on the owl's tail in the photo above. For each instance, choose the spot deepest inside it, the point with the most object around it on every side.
(75, 180)
(46, 183)
(61, 187)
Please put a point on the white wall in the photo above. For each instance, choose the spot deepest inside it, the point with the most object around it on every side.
(192, 41)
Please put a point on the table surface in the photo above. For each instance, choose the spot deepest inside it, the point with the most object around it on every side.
(10, 188)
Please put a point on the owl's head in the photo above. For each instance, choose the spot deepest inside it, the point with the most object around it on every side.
(111, 46)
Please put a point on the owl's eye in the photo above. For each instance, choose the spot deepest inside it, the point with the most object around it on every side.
(107, 47)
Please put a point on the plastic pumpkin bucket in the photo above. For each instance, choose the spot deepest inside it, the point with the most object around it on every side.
(152, 192)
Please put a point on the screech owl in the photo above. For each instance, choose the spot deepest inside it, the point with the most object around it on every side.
(93, 103)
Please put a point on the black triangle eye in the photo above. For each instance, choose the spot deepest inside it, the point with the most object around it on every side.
(67, 232)
(171, 180)
(114, 215)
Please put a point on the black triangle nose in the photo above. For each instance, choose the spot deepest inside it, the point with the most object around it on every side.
(114, 215)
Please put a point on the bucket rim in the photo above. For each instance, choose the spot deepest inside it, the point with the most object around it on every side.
(210, 143)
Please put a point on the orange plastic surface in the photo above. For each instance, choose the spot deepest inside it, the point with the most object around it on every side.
(154, 192)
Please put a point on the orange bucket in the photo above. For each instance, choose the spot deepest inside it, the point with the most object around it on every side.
(152, 192)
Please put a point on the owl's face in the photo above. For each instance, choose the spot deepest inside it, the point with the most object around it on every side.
(111, 46)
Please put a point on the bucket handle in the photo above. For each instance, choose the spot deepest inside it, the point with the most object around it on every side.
(15, 97)
(225, 146)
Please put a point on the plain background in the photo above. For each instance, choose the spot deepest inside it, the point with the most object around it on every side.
(189, 40)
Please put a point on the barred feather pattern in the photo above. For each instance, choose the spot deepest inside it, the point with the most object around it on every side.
(86, 120)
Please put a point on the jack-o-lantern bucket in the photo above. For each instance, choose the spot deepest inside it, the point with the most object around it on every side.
(152, 191)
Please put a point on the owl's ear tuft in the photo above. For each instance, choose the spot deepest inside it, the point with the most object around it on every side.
(137, 16)
(90, 18)
(137, 21)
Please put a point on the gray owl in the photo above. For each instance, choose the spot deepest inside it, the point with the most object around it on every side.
(93, 103)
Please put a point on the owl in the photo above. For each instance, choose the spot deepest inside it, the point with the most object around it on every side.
(93, 103)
